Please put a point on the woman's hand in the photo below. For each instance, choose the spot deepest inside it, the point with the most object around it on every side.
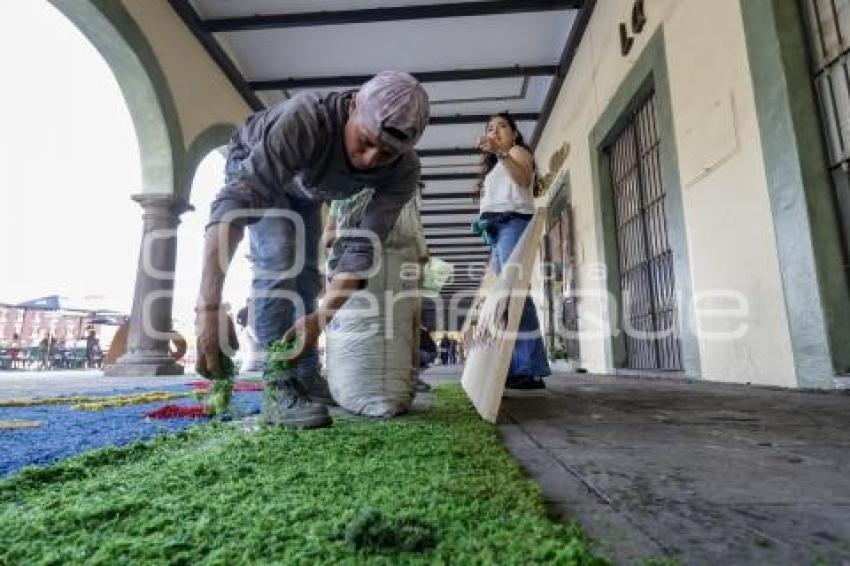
(488, 145)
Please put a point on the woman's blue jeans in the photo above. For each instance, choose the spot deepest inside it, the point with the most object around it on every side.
(529, 355)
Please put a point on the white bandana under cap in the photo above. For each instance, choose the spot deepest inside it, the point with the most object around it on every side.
(394, 106)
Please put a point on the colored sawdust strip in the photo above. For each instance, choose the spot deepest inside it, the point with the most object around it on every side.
(19, 423)
(100, 403)
(435, 487)
(166, 412)
(96, 403)
(45, 401)
(238, 386)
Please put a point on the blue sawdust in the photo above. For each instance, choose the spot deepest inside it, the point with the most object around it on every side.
(67, 431)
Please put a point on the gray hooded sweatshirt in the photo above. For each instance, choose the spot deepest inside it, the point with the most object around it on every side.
(296, 148)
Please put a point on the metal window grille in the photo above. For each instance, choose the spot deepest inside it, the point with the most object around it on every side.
(648, 287)
(560, 289)
(828, 26)
(569, 309)
(552, 281)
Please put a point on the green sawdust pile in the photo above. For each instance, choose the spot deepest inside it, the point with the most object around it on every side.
(431, 488)
(221, 390)
(372, 530)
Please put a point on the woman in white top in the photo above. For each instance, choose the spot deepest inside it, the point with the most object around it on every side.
(507, 206)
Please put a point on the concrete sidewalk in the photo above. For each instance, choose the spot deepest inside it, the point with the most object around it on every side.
(708, 473)
(61, 383)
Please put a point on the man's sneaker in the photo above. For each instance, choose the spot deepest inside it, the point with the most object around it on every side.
(317, 388)
(285, 403)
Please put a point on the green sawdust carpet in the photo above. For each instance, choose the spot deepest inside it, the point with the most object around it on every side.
(431, 488)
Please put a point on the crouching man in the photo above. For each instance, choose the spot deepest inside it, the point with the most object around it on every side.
(282, 164)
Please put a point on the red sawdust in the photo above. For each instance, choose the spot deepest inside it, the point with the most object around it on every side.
(180, 412)
(239, 386)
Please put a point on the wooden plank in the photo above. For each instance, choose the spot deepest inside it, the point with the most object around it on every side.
(489, 346)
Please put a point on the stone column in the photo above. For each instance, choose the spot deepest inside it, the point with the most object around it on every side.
(150, 319)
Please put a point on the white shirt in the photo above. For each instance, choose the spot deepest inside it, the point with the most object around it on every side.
(503, 194)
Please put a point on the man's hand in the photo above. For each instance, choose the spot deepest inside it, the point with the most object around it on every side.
(212, 328)
(212, 325)
(305, 332)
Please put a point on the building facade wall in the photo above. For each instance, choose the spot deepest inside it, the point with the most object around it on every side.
(728, 228)
(202, 94)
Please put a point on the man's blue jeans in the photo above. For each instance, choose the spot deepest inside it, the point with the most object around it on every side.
(279, 296)
(529, 355)
(277, 300)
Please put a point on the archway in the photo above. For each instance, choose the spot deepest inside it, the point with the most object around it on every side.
(70, 163)
(205, 178)
(117, 38)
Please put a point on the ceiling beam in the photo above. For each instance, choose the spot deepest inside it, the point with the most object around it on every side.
(423, 77)
(472, 257)
(479, 118)
(452, 246)
(436, 212)
(432, 239)
(448, 176)
(448, 224)
(388, 14)
(208, 42)
(448, 152)
(460, 236)
(564, 64)
(449, 196)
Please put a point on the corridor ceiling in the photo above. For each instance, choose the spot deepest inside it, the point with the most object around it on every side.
(474, 58)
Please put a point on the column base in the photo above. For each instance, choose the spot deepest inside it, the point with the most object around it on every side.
(143, 365)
